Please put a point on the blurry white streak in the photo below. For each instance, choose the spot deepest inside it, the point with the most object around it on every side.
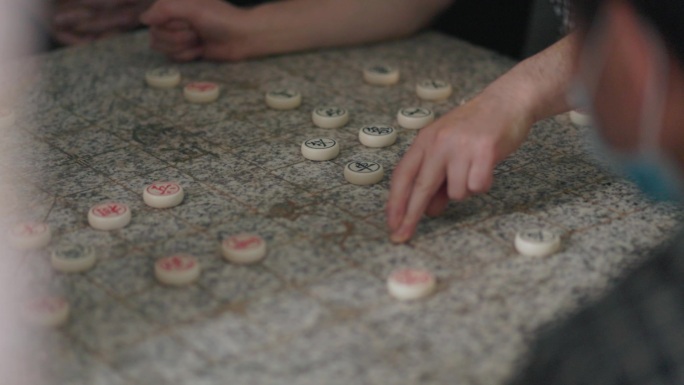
(21, 23)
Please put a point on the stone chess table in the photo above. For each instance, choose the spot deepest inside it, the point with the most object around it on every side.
(316, 310)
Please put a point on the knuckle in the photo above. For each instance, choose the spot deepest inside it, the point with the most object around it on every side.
(422, 186)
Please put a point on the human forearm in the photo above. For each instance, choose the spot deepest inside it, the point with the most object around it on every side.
(297, 25)
(538, 85)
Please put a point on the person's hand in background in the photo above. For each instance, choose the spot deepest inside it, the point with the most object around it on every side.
(84, 21)
(189, 29)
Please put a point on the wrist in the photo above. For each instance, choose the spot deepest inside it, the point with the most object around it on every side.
(517, 102)
(264, 31)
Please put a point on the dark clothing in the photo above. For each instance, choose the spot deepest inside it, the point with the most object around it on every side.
(633, 336)
(500, 25)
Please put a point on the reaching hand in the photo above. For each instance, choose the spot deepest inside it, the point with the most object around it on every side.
(453, 158)
(191, 29)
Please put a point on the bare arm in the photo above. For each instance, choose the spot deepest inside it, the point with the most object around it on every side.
(295, 25)
(219, 31)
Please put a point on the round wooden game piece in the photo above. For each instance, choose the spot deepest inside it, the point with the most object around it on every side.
(163, 77)
(177, 270)
(283, 99)
(330, 117)
(377, 136)
(320, 149)
(433, 90)
(415, 118)
(537, 242)
(30, 235)
(363, 173)
(71, 258)
(201, 92)
(7, 118)
(580, 118)
(381, 75)
(109, 216)
(50, 311)
(244, 248)
(411, 283)
(162, 195)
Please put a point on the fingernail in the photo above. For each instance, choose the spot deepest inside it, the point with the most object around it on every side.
(399, 236)
(395, 238)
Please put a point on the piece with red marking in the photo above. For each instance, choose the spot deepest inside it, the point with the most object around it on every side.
(50, 311)
(177, 270)
(7, 118)
(162, 195)
(30, 235)
(109, 216)
(72, 258)
(201, 92)
(411, 283)
(244, 248)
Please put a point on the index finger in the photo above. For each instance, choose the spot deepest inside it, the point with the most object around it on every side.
(401, 186)
(431, 176)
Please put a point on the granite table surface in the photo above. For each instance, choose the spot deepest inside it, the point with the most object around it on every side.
(316, 310)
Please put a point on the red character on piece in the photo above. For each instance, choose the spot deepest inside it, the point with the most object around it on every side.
(163, 189)
(201, 86)
(412, 277)
(109, 210)
(47, 305)
(177, 263)
(30, 229)
(242, 243)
